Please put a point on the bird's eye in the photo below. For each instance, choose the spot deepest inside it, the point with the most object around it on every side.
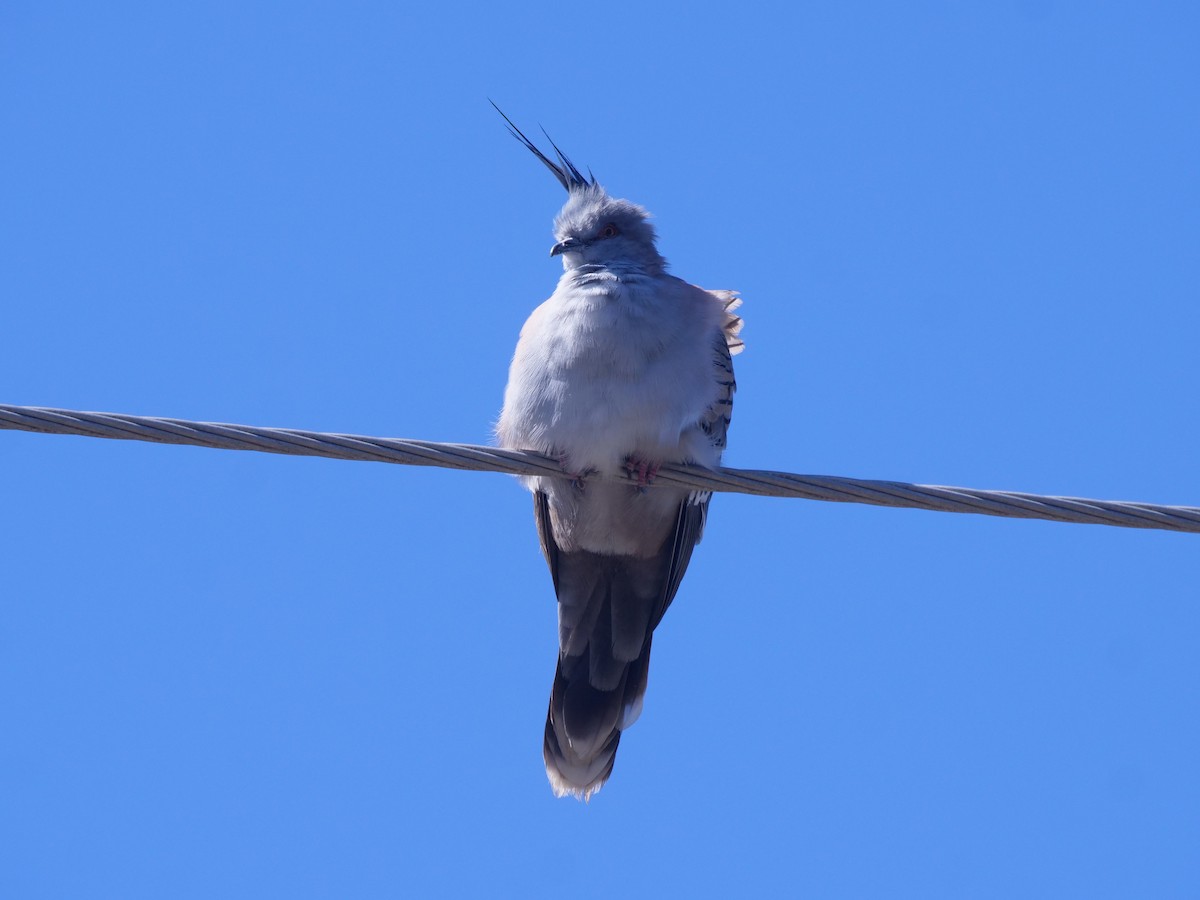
(609, 230)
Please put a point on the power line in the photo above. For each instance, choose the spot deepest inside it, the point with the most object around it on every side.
(296, 442)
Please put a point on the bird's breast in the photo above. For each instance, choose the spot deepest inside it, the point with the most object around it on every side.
(601, 384)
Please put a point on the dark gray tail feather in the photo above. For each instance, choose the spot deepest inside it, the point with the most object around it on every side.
(608, 608)
(584, 723)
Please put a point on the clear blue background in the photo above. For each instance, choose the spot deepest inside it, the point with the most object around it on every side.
(968, 236)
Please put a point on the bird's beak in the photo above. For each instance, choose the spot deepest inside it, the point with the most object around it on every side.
(564, 246)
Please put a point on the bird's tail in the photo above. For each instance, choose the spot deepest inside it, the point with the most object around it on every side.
(608, 608)
(584, 722)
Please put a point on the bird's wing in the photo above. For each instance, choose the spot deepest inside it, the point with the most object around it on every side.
(693, 512)
(727, 342)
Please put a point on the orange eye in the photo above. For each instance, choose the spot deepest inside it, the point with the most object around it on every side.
(610, 230)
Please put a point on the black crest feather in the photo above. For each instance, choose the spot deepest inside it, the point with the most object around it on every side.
(564, 170)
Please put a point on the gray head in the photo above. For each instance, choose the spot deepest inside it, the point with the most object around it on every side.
(594, 229)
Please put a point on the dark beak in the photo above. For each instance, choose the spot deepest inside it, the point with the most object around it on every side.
(564, 246)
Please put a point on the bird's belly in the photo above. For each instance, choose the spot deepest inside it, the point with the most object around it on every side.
(611, 517)
(600, 425)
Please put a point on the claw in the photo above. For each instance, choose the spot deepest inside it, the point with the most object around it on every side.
(644, 470)
(578, 479)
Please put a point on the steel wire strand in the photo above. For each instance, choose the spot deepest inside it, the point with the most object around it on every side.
(298, 442)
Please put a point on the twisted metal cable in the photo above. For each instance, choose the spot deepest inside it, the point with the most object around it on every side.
(522, 462)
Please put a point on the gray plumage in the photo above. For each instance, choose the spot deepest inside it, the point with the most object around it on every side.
(624, 368)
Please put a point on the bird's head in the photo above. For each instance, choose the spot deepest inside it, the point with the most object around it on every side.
(594, 229)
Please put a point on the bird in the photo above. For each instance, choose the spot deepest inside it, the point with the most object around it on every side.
(624, 368)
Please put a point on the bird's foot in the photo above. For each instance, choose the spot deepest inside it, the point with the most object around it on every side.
(578, 479)
(643, 470)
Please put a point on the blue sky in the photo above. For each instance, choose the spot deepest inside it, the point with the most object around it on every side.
(966, 235)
